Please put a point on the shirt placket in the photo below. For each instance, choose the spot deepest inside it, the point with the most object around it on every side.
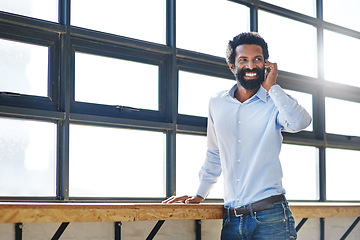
(239, 139)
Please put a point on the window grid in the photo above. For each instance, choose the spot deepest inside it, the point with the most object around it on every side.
(63, 40)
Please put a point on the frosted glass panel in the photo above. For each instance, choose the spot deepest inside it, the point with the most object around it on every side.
(116, 82)
(292, 45)
(342, 174)
(43, 9)
(204, 25)
(195, 91)
(141, 19)
(344, 13)
(349, 49)
(342, 117)
(307, 7)
(23, 68)
(111, 162)
(300, 171)
(190, 156)
(27, 158)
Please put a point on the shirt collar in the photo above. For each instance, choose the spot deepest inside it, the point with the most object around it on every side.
(262, 94)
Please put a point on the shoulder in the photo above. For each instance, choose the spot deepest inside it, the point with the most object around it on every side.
(218, 97)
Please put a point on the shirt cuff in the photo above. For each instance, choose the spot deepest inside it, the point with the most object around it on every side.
(276, 91)
(204, 189)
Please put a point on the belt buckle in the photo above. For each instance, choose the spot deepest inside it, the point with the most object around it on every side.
(236, 214)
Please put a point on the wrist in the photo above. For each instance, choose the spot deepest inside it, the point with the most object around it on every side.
(267, 87)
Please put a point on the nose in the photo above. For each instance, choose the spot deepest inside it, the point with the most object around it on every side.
(251, 65)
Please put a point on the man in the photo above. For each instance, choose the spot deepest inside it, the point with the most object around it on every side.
(243, 142)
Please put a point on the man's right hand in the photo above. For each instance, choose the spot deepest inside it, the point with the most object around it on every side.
(184, 199)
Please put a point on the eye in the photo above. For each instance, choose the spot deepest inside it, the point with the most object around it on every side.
(258, 59)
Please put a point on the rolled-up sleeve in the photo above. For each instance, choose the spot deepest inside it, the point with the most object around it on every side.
(292, 116)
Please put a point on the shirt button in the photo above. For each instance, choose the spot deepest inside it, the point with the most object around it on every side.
(238, 160)
(238, 180)
(239, 140)
(238, 199)
(239, 122)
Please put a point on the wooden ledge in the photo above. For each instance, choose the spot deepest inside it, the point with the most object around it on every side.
(116, 212)
(97, 212)
(324, 210)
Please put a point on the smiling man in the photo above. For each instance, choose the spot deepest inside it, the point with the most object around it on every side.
(243, 143)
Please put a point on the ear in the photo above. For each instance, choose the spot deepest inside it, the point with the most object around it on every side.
(232, 67)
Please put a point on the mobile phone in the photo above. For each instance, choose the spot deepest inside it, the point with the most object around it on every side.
(266, 72)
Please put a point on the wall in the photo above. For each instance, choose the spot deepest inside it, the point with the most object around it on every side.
(179, 230)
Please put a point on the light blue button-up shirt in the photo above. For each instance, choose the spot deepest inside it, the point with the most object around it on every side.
(244, 142)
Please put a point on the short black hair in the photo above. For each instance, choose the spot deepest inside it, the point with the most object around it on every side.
(245, 38)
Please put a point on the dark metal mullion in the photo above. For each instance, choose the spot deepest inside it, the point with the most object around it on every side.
(319, 105)
(254, 19)
(88, 35)
(64, 12)
(322, 174)
(319, 113)
(343, 142)
(30, 23)
(64, 100)
(171, 84)
(102, 48)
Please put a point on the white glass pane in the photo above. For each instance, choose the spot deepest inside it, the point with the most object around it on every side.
(112, 81)
(349, 50)
(141, 19)
(300, 172)
(43, 9)
(110, 162)
(342, 174)
(291, 44)
(205, 26)
(344, 13)
(342, 117)
(195, 91)
(307, 7)
(23, 68)
(305, 100)
(190, 156)
(27, 158)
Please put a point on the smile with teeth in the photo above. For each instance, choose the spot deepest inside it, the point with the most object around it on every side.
(250, 74)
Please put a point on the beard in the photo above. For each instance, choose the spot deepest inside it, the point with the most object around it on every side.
(252, 83)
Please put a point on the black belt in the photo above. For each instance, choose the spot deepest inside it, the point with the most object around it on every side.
(265, 204)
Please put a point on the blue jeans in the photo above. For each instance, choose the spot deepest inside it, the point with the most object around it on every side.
(275, 224)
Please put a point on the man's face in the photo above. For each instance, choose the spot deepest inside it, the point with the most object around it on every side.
(249, 66)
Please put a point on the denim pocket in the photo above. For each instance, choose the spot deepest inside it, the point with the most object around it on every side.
(275, 215)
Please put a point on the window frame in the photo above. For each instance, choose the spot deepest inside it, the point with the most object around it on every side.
(63, 40)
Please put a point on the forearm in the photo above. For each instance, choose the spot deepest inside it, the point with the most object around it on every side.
(292, 116)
